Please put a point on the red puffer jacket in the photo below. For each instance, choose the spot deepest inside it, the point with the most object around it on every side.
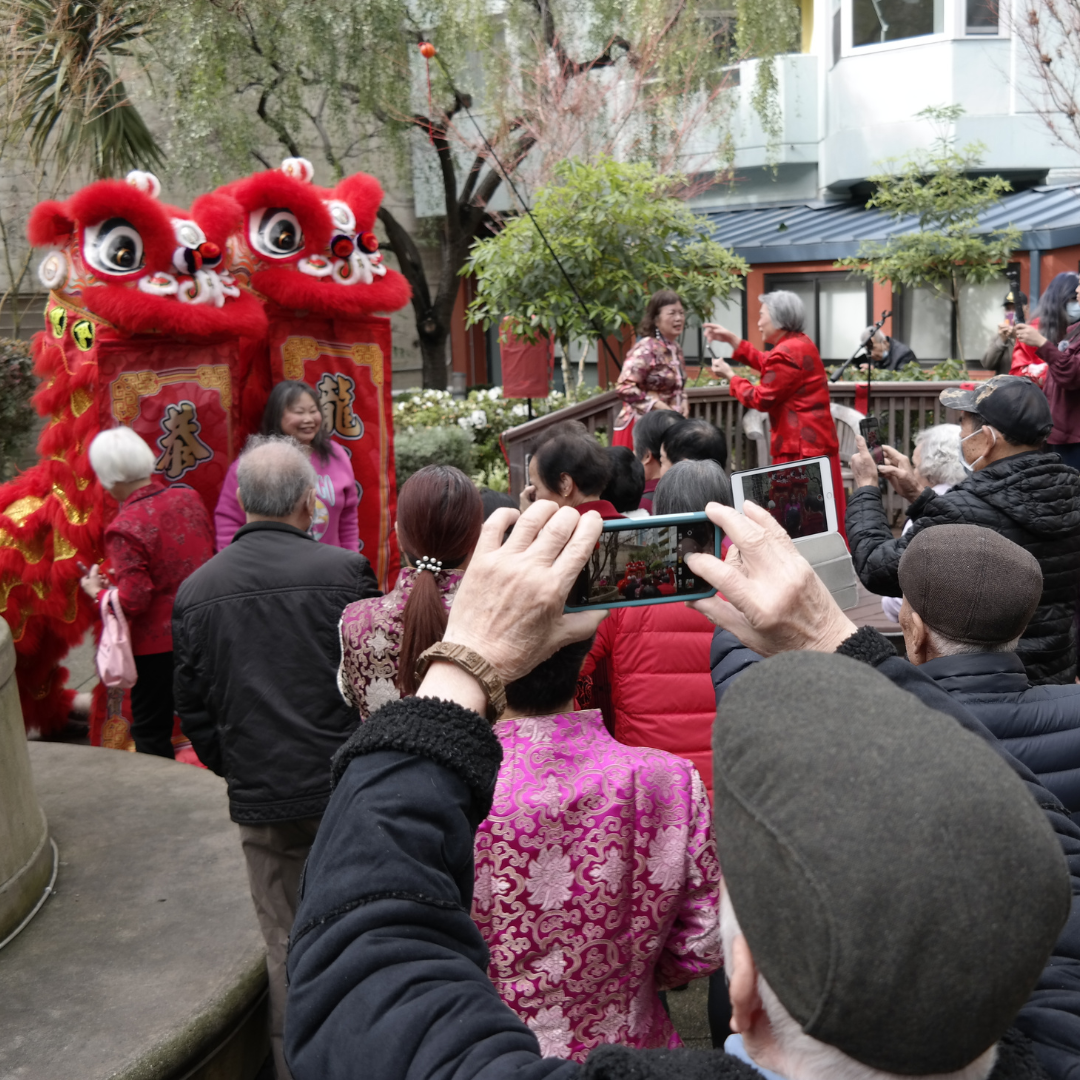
(648, 671)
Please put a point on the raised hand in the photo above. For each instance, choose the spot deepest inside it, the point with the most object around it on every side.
(769, 596)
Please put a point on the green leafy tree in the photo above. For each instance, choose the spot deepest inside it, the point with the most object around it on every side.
(342, 82)
(620, 232)
(937, 188)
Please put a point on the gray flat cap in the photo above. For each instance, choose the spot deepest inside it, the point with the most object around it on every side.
(971, 584)
(898, 886)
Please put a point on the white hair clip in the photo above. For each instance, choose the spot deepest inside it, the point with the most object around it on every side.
(426, 562)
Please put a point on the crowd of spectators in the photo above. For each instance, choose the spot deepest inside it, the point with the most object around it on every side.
(485, 836)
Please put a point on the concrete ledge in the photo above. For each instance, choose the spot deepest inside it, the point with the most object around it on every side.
(147, 962)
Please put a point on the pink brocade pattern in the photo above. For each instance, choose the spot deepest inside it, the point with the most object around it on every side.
(597, 883)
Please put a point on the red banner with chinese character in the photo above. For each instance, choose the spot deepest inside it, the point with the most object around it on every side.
(180, 399)
(347, 361)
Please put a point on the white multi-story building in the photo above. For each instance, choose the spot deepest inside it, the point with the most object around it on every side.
(849, 101)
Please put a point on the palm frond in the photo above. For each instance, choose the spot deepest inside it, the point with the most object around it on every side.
(63, 86)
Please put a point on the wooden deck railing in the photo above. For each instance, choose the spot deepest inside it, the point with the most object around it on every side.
(904, 409)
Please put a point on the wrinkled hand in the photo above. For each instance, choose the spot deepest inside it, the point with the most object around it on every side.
(774, 601)
(722, 369)
(716, 332)
(863, 467)
(1029, 335)
(92, 583)
(899, 471)
(509, 605)
(527, 497)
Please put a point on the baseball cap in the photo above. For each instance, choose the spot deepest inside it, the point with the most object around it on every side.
(899, 888)
(1010, 298)
(1010, 403)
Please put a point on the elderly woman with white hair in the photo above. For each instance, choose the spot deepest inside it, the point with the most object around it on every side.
(935, 462)
(793, 388)
(161, 533)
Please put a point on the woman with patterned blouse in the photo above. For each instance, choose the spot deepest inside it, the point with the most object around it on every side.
(653, 374)
(439, 514)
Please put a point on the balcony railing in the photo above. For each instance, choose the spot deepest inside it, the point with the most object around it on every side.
(903, 410)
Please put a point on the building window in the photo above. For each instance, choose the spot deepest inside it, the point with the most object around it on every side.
(982, 17)
(925, 320)
(875, 21)
(838, 308)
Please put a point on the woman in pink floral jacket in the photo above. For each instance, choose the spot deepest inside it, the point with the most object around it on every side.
(653, 374)
(439, 514)
(597, 881)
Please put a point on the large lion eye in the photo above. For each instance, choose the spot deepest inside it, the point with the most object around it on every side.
(276, 232)
(114, 247)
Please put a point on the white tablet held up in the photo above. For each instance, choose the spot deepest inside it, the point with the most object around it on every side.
(799, 494)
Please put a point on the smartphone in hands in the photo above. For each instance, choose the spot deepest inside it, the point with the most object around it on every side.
(641, 561)
(868, 429)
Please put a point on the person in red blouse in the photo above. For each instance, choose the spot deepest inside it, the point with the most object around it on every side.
(571, 470)
(161, 534)
(793, 388)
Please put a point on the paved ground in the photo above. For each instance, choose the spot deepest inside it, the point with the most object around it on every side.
(689, 1015)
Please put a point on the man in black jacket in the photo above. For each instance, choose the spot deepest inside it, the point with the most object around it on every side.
(255, 634)
(386, 968)
(1016, 488)
(887, 353)
(968, 595)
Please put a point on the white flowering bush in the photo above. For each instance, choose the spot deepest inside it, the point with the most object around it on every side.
(483, 414)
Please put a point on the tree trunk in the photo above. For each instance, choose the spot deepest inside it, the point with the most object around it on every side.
(568, 381)
(433, 352)
(956, 308)
(581, 364)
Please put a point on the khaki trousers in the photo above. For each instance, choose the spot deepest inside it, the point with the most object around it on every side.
(275, 858)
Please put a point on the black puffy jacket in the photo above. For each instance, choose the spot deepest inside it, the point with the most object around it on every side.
(1029, 498)
(1038, 725)
(255, 659)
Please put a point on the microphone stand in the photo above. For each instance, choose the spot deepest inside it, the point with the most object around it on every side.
(861, 351)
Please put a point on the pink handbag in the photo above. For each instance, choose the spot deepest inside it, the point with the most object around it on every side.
(115, 660)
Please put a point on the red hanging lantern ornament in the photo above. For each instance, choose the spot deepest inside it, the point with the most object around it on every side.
(427, 51)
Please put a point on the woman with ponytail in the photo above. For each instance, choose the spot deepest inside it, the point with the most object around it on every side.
(439, 514)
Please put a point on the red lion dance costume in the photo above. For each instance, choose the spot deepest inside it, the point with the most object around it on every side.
(178, 323)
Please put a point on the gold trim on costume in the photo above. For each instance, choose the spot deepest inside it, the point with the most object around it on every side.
(74, 515)
(22, 508)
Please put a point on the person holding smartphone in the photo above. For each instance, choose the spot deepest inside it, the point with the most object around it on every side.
(793, 388)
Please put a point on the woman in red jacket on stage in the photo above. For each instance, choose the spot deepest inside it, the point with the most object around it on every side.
(793, 388)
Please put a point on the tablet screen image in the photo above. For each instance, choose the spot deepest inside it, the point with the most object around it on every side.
(634, 566)
(799, 495)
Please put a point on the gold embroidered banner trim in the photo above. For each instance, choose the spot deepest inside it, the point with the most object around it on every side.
(132, 385)
(296, 351)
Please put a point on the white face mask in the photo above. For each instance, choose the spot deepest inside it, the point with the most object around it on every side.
(1072, 312)
(963, 460)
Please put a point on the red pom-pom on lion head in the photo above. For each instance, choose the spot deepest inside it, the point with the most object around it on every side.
(309, 248)
(141, 264)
